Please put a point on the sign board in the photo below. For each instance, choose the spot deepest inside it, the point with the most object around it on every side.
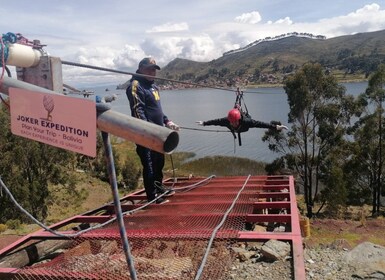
(58, 120)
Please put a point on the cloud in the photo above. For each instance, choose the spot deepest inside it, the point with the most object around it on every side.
(284, 21)
(366, 19)
(168, 41)
(252, 18)
(169, 27)
(128, 57)
(165, 49)
(93, 37)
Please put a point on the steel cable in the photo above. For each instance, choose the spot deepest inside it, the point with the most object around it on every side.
(203, 263)
(142, 75)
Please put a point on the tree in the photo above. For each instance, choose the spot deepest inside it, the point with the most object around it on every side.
(319, 112)
(367, 162)
(26, 168)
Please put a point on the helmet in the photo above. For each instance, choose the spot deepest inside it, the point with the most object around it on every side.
(234, 115)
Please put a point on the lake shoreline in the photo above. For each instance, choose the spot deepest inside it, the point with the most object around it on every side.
(248, 86)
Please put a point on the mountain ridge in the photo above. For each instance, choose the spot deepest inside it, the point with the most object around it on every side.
(347, 57)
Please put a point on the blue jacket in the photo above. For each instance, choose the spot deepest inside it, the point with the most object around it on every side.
(144, 99)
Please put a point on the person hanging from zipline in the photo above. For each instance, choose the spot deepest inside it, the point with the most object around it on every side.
(238, 121)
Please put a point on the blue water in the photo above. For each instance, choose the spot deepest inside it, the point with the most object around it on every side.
(187, 106)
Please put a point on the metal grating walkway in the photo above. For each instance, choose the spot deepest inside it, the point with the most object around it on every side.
(188, 218)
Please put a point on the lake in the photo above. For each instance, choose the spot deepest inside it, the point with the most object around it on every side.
(185, 107)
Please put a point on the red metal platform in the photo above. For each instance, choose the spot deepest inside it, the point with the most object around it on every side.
(185, 223)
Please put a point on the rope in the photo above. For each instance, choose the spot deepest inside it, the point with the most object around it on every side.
(139, 75)
(67, 235)
(198, 275)
(146, 76)
(74, 235)
(195, 185)
(4, 57)
(4, 39)
(200, 129)
(10, 37)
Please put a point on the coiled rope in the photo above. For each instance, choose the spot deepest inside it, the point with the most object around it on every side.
(5, 39)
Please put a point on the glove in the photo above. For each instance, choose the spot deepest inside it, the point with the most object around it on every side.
(279, 127)
(172, 125)
(199, 122)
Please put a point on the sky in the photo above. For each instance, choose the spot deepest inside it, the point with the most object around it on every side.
(117, 34)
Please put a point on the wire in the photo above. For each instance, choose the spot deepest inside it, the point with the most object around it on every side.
(73, 235)
(200, 129)
(142, 75)
(198, 275)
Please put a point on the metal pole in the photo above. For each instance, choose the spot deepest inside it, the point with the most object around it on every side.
(117, 205)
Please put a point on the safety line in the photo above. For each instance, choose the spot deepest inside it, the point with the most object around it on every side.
(69, 235)
(144, 76)
(200, 129)
(74, 235)
(203, 263)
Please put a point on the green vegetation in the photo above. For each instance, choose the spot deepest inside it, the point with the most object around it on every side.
(27, 167)
(347, 58)
(366, 164)
(318, 116)
(223, 166)
(338, 161)
(42, 178)
(3, 228)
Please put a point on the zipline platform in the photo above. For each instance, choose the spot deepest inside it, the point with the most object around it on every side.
(168, 241)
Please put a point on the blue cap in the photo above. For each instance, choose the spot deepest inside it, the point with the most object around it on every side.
(148, 62)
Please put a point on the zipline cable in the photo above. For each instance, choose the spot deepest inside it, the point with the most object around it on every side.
(200, 129)
(144, 76)
(139, 75)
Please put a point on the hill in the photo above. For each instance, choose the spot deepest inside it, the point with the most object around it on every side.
(349, 57)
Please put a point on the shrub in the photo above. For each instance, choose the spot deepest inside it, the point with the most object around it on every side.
(130, 174)
(3, 228)
(13, 224)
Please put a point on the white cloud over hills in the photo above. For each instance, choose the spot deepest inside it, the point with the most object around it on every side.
(119, 39)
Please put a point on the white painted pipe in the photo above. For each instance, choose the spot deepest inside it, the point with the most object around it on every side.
(144, 133)
(152, 136)
(23, 56)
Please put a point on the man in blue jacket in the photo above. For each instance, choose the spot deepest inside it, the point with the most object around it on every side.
(144, 99)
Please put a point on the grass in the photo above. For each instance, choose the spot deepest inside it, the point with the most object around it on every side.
(89, 193)
(222, 166)
(327, 236)
(125, 150)
(183, 164)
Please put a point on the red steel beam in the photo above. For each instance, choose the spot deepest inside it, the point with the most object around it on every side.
(277, 191)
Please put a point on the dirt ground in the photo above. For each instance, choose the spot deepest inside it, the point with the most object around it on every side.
(345, 233)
